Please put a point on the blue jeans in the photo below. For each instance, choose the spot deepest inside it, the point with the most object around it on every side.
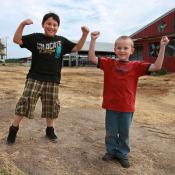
(117, 133)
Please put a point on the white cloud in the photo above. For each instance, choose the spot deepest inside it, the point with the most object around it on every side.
(111, 17)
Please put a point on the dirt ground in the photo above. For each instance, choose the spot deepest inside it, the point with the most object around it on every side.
(80, 127)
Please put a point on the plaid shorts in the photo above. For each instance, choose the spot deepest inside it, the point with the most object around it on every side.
(47, 91)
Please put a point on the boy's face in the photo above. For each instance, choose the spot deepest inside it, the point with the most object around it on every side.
(123, 49)
(50, 27)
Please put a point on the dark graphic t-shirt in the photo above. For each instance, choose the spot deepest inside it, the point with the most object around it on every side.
(47, 55)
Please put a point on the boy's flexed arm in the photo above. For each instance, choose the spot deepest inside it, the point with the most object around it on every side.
(159, 61)
(79, 45)
(91, 53)
(18, 34)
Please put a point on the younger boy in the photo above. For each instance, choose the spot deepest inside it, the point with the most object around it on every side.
(45, 72)
(120, 84)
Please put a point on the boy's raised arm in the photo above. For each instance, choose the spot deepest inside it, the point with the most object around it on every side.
(91, 53)
(159, 61)
(18, 34)
(79, 45)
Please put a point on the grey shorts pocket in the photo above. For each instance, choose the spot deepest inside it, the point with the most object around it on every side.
(22, 107)
(56, 109)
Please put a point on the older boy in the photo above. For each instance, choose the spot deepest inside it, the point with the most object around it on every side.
(45, 73)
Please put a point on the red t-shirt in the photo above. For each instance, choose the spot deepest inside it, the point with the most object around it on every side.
(120, 83)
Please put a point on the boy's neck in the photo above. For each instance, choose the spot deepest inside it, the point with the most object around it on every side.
(48, 35)
(122, 60)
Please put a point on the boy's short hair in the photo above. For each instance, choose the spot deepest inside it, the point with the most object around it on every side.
(53, 15)
(124, 37)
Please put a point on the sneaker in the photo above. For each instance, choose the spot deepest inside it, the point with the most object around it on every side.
(12, 134)
(108, 157)
(123, 162)
(50, 134)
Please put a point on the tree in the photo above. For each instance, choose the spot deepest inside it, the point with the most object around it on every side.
(2, 49)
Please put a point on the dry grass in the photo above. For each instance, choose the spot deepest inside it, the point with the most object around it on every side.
(7, 167)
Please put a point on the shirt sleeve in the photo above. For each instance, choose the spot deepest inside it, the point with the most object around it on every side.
(29, 42)
(103, 63)
(68, 45)
(142, 68)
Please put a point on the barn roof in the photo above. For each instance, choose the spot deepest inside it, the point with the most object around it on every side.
(148, 25)
(99, 47)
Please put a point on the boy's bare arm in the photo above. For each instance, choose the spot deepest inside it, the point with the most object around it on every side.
(91, 53)
(18, 34)
(79, 45)
(159, 61)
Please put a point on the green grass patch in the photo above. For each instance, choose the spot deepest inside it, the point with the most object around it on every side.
(162, 71)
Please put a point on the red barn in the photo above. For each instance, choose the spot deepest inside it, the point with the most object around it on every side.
(147, 40)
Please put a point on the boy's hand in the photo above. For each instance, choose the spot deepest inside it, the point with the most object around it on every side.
(164, 41)
(95, 35)
(27, 22)
(85, 29)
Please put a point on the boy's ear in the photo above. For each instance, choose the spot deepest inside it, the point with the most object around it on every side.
(132, 51)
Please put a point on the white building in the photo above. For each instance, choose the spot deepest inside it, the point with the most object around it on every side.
(81, 58)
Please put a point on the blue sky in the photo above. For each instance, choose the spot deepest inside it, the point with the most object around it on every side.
(111, 17)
